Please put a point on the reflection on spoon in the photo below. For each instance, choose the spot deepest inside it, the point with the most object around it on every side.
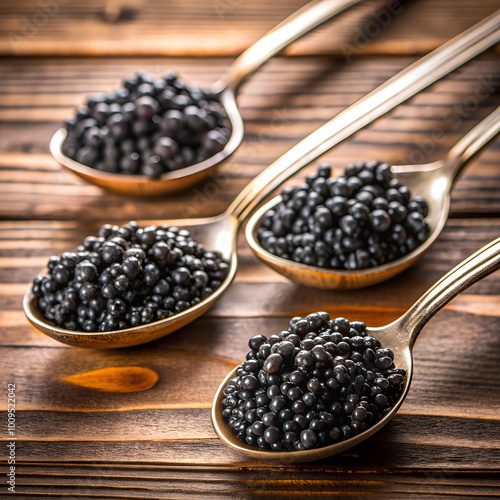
(399, 336)
(432, 182)
(224, 90)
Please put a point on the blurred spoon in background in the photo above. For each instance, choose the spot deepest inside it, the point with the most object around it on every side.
(224, 90)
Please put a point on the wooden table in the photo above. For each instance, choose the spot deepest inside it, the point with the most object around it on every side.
(74, 442)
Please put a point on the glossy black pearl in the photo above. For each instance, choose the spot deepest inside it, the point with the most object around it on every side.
(380, 220)
(273, 363)
(271, 434)
(131, 267)
(308, 438)
(88, 291)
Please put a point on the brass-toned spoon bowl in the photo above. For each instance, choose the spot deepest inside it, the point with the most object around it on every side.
(432, 181)
(220, 233)
(399, 336)
(215, 232)
(225, 90)
(170, 182)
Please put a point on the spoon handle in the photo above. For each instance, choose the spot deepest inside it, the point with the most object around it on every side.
(477, 266)
(293, 27)
(467, 147)
(390, 94)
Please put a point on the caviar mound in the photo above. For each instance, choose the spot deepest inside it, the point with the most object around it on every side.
(362, 219)
(149, 126)
(127, 276)
(318, 383)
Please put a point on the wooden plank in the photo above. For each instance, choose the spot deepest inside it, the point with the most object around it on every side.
(170, 424)
(249, 482)
(212, 452)
(227, 27)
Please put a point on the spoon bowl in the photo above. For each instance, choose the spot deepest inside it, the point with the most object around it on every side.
(216, 232)
(432, 182)
(399, 336)
(225, 91)
(220, 233)
(140, 185)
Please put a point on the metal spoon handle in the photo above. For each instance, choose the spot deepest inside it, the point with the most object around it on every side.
(477, 266)
(390, 94)
(293, 27)
(467, 147)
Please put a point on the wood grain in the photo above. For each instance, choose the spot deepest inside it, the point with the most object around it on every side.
(251, 482)
(227, 27)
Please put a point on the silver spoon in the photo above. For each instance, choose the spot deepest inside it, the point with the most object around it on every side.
(220, 233)
(400, 336)
(432, 181)
(225, 90)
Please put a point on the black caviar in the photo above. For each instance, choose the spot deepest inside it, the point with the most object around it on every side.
(318, 383)
(362, 219)
(127, 276)
(149, 126)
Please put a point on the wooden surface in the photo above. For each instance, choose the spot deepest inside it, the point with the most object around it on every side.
(80, 440)
(175, 28)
